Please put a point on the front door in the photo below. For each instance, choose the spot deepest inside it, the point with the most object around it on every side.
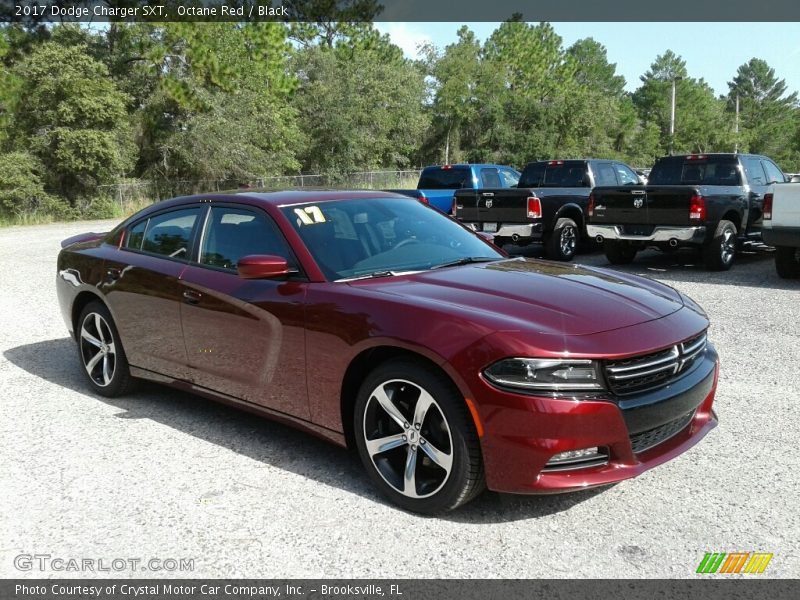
(245, 338)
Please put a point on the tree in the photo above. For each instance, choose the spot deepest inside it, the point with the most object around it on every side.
(73, 119)
(767, 113)
(701, 124)
(360, 110)
(456, 105)
(593, 70)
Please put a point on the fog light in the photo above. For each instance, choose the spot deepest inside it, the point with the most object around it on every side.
(578, 459)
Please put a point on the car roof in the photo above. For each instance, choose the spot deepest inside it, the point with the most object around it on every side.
(467, 165)
(282, 198)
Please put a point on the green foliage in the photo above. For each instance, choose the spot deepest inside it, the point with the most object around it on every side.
(768, 115)
(73, 119)
(21, 188)
(360, 111)
(701, 123)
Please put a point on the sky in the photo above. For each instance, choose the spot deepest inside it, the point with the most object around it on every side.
(712, 51)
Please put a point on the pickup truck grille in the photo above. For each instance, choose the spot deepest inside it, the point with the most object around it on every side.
(642, 373)
(653, 437)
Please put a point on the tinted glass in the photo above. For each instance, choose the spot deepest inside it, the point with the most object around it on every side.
(169, 233)
(510, 178)
(490, 178)
(626, 176)
(604, 174)
(710, 170)
(754, 171)
(774, 174)
(232, 233)
(544, 174)
(351, 238)
(136, 235)
(439, 178)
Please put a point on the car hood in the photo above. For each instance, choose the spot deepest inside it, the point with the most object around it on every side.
(547, 297)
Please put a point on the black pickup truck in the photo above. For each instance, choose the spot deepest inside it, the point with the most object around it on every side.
(549, 204)
(709, 201)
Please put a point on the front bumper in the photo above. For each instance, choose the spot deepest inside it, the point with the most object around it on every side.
(661, 234)
(522, 432)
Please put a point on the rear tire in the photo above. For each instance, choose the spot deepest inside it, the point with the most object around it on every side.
(100, 350)
(787, 262)
(563, 241)
(720, 253)
(426, 458)
(619, 253)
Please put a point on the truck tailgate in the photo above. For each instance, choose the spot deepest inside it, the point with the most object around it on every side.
(643, 205)
(497, 205)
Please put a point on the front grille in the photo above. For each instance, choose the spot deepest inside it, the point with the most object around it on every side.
(642, 373)
(653, 437)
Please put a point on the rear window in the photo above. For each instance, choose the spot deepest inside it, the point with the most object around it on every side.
(681, 170)
(544, 174)
(445, 179)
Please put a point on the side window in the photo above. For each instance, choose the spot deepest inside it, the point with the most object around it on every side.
(754, 171)
(490, 178)
(232, 233)
(626, 176)
(774, 174)
(136, 235)
(169, 234)
(510, 178)
(604, 174)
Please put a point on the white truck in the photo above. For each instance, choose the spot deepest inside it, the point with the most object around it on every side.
(781, 227)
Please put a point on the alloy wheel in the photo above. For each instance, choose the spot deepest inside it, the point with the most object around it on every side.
(728, 246)
(568, 240)
(98, 351)
(408, 438)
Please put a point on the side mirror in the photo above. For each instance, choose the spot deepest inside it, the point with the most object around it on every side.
(260, 266)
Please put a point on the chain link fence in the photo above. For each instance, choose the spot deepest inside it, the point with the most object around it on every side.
(132, 195)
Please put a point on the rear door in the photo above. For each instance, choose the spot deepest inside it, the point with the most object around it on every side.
(758, 184)
(143, 292)
(245, 338)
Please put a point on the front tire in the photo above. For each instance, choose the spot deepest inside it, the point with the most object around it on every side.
(563, 241)
(101, 353)
(720, 252)
(787, 262)
(416, 439)
(619, 253)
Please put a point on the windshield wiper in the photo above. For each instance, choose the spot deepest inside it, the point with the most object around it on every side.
(466, 260)
(377, 274)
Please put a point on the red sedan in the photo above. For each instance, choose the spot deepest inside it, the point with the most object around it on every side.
(375, 321)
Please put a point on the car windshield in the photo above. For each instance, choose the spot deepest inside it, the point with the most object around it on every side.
(367, 237)
(441, 178)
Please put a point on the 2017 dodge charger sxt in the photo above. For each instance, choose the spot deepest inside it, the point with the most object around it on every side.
(375, 321)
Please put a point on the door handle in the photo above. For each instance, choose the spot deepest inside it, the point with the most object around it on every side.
(192, 297)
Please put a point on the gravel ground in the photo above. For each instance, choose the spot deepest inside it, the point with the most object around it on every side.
(163, 474)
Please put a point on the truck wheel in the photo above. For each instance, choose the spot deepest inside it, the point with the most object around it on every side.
(787, 262)
(619, 253)
(563, 242)
(720, 252)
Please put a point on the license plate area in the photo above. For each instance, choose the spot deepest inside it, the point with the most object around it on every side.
(490, 227)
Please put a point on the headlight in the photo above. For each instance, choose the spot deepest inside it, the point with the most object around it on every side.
(546, 374)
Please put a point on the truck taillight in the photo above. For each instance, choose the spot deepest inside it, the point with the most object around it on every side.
(423, 198)
(534, 208)
(697, 208)
(590, 208)
(555, 162)
(768, 206)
